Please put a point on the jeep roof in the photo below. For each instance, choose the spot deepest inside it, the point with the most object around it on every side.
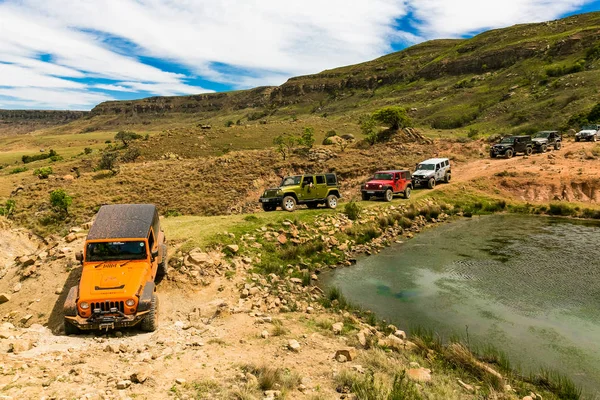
(434, 161)
(391, 171)
(120, 221)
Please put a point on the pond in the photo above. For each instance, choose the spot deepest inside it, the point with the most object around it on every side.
(527, 285)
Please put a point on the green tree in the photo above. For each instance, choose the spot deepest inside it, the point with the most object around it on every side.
(126, 137)
(395, 117)
(60, 201)
(594, 115)
(108, 162)
(368, 126)
(8, 209)
(285, 144)
(307, 139)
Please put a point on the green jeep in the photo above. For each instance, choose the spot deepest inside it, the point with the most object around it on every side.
(311, 190)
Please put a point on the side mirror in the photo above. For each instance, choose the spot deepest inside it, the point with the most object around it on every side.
(154, 254)
(79, 257)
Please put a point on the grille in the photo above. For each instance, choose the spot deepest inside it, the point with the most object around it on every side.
(107, 305)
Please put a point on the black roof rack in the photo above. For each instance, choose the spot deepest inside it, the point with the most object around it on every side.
(121, 221)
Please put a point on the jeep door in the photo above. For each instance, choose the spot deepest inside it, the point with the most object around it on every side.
(439, 172)
(519, 146)
(320, 187)
(308, 189)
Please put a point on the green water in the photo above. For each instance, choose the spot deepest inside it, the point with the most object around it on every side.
(529, 286)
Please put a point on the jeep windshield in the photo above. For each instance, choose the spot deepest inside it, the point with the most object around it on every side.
(426, 167)
(382, 176)
(542, 135)
(291, 180)
(589, 128)
(507, 140)
(114, 251)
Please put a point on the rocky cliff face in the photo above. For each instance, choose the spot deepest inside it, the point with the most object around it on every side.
(23, 121)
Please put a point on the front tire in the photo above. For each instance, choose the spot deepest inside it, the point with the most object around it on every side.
(150, 321)
(332, 201)
(389, 195)
(576, 139)
(71, 329)
(493, 155)
(509, 153)
(269, 207)
(557, 145)
(407, 193)
(365, 196)
(431, 183)
(288, 203)
(544, 148)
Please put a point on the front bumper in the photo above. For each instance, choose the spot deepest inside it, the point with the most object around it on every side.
(270, 200)
(420, 181)
(588, 138)
(373, 192)
(106, 322)
(498, 151)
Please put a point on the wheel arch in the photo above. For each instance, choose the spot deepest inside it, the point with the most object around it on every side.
(334, 192)
(292, 194)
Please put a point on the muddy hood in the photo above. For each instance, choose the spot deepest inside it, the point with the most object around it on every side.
(112, 280)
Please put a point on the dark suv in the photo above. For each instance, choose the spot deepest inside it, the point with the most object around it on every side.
(544, 140)
(511, 145)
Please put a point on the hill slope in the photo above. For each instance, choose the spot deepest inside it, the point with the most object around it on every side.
(525, 76)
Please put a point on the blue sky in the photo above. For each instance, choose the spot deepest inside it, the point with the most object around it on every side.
(65, 54)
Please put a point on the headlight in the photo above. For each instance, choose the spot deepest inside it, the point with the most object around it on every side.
(379, 186)
(279, 191)
(84, 305)
(130, 302)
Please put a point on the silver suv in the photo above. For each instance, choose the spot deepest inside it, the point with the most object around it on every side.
(591, 133)
(431, 171)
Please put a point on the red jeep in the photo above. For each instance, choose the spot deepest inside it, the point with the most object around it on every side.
(386, 184)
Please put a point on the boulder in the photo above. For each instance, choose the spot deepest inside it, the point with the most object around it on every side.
(400, 334)
(19, 346)
(348, 352)
(421, 375)
(123, 384)
(293, 345)
(71, 237)
(234, 248)
(4, 298)
(337, 328)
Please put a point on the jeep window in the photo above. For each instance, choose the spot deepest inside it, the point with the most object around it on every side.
(106, 251)
(307, 180)
(590, 128)
(383, 177)
(446, 163)
(507, 140)
(331, 179)
(151, 240)
(426, 167)
(291, 180)
(320, 179)
(543, 135)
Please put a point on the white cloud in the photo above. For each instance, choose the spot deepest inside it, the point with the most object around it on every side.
(51, 98)
(443, 18)
(239, 43)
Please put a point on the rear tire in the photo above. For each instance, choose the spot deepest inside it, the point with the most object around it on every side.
(557, 145)
(288, 203)
(529, 150)
(447, 178)
(163, 267)
(365, 196)
(509, 153)
(150, 321)
(332, 201)
(71, 329)
(389, 195)
(407, 193)
(431, 183)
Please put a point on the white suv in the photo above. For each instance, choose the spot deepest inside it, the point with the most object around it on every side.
(591, 133)
(431, 171)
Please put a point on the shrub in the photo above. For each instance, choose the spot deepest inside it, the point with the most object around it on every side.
(352, 210)
(87, 150)
(560, 209)
(126, 137)
(17, 170)
(108, 162)
(257, 115)
(229, 123)
(395, 117)
(330, 133)
(368, 126)
(27, 159)
(8, 208)
(60, 201)
(131, 154)
(43, 173)
(560, 70)
(594, 115)
(307, 139)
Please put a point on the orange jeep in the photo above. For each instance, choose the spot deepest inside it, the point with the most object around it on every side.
(124, 254)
